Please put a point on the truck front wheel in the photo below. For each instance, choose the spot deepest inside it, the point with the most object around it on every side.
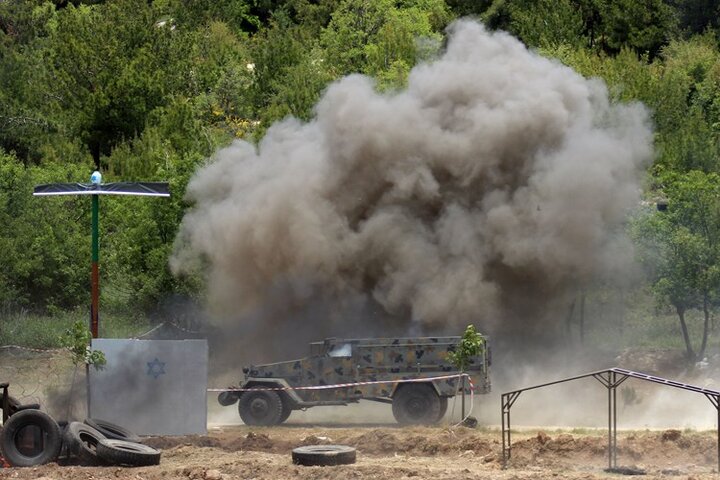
(260, 407)
(416, 404)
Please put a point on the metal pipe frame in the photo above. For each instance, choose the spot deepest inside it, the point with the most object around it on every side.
(610, 379)
(507, 400)
(715, 400)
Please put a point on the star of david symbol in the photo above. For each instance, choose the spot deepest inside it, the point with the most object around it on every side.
(156, 368)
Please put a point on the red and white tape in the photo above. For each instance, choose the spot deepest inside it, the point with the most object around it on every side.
(344, 385)
(375, 382)
(20, 347)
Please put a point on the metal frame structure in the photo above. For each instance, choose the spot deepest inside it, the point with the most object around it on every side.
(611, 379)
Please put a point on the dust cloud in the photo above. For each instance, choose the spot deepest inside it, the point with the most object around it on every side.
(488, 190)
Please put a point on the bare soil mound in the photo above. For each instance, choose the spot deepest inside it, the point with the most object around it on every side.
(240, 452)
(562, 448)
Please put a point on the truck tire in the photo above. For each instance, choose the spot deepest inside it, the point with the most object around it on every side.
(82, 443)
(227, 398)
(416, 404)
(323, 455)
(131, 454)
(286, 410)
(443, 408)
(45, 438)
(113, 431)
(260, 407)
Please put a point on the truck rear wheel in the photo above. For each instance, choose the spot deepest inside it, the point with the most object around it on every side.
(443, 408)
(260, 407)
(286, 410)
(416, 404)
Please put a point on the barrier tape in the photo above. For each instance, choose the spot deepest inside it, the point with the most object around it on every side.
(172, 324)
(19, 347)
(183, 329)
(342, 385)
(42, 350)
(137, 337)
(472, 397)
(148, 332)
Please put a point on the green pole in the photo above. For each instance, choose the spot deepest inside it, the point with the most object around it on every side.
(95, 283)
(95, 280)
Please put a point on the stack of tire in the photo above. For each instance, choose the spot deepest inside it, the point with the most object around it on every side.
(31, 437)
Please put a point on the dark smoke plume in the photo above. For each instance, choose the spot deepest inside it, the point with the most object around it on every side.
(498, 181)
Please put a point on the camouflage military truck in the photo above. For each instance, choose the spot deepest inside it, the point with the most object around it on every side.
(341, 361)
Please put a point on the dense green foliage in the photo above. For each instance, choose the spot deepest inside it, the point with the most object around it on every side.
(147, 90)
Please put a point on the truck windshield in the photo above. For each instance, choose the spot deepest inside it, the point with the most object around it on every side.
(344, 350)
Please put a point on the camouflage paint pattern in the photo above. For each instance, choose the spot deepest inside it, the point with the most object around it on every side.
(336, 361)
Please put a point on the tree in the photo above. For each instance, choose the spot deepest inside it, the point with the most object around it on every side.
(375, 37)
(241, 15)
(645, 26)
(44, 244)
(697, 15)
(543, 23)
(605, 25)
(681, 251)
(471, 345)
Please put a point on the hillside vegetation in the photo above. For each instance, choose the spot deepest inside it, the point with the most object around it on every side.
(148, 90)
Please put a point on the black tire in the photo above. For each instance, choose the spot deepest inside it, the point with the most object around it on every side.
(13, 405)
(443, 408)
(262, 407)
(324, 455)
(416, 404)
(130, 454)
(64, 455)
(82, 443)
(111, 430)
(286, 410)
(227, 398)
(46, 439)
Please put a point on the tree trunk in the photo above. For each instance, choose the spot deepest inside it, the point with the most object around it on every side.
(582, 317)
(568, 321)
(621, 314)
(689, 353)
(706, 327)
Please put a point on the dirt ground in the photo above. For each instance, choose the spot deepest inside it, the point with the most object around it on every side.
(384, 453)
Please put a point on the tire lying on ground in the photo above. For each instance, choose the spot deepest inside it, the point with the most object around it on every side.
(82, 441)
(324, 455)
(30, 438)
(121, 452)
(112, 431)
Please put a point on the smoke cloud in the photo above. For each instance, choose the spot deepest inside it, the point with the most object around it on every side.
(497, 181)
